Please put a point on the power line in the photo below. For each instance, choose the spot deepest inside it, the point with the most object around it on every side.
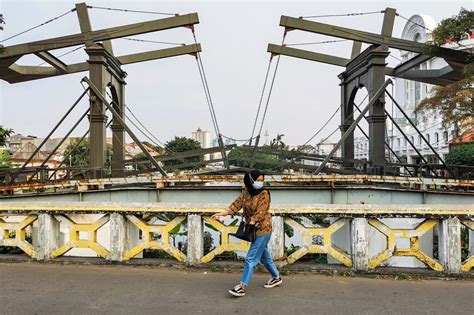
(132, 11)
(39, 25)
(344, 14)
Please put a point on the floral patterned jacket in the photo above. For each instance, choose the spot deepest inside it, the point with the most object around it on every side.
(255, 208)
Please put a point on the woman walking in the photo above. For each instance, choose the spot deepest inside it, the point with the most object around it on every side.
(255, 202)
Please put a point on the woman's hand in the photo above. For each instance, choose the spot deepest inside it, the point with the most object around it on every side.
(219, 214)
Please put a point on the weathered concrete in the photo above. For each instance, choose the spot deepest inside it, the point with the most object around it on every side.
(450, 245)
(195, 249)
(55, 289)
(277, 240)
(360, 244)
(118, 236)
(48, 235)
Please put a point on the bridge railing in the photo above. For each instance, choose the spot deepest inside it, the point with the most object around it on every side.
(362, 237)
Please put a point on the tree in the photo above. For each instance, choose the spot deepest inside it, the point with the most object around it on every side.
(5, 159)
(463, 155)
(4, 134)
(79, 157)
(240, 157)
(183, 144)
(2, 21)
(455, 102)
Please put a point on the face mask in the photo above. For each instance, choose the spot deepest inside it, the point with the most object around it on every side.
(257, 185)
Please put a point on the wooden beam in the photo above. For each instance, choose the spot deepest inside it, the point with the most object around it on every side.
(160, 54)
(371, 38)
(52, 60)
(388, 21)
(308, 55)
(100, 35)
(16, 73)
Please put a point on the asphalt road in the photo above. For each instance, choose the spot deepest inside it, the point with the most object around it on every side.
(84, 289)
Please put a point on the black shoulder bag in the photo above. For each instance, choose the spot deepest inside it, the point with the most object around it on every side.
(246, 231)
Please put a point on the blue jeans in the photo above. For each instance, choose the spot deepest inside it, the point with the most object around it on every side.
(258, 252)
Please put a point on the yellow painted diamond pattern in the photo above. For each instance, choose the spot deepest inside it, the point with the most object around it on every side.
(20, 234)
(225, 245)
(327, 247)
(149, 243)
(76, 242)
(414, 249)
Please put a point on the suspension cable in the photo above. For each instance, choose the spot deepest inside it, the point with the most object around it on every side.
(158, 142)
(321, 129)
(343, 14)
(132, 11)
(39, 25)
(237, 140)
(66, 53)
(270, 89)
(319, 43)
(205, 84)
(151, 41)
(261, 99)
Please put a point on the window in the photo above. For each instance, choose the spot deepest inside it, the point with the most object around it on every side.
(428, 137)
(419, 140)
(436, 139)
(417, 92)
(398, 142)
(445, 136)
(412, 139)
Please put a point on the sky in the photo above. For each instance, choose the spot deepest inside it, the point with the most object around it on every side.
(167, 95)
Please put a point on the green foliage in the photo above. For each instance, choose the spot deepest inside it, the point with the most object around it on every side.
(183, 144)
(453, 28)
(4, 134)
(5, 159)
(464, 243)
(240, 157)
(463, 155)
(79, 157)
(2, 21)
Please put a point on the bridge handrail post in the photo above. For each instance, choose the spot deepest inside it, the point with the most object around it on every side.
(450, 244)
(360, 244)
(48, 236)
(277, 240)
(195, 249)
(119, 238)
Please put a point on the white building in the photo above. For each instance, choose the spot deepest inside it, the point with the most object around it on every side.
(204, 138)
